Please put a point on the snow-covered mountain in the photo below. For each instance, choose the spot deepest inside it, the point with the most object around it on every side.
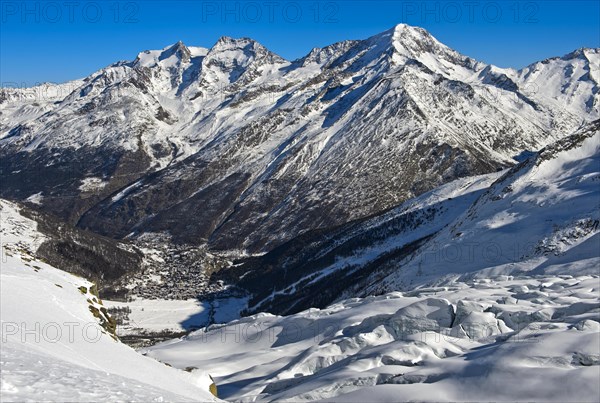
(426, 221)
(540, 217)
(58, 341)
(489, 289)
(262, 149)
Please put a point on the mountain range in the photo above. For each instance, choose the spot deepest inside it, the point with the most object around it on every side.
(381, 220)
(238, 149)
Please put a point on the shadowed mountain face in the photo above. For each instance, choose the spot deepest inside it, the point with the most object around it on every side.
(105, 261)
(238, 148)
(541, 217)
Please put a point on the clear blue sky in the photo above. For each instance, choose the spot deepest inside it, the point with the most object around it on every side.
(61, 40)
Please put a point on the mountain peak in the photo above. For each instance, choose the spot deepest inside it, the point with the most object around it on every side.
(170, 55)
(404, 42)
(245, 48)
(228, 42)
(178, 49)
(405, 28)
(414, 41)
(582, 53)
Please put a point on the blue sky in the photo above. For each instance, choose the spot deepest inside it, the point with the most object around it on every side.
(56, 41)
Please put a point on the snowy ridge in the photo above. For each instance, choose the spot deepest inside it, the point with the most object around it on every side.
(577, 74)
(542, 216)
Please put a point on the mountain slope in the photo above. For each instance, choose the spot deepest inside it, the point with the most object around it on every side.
(495, 279)
(56, 336)
(542, 217)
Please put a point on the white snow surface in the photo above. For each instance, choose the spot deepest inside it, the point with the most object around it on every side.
(159, 315)
(54, 349)
(503, 338)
